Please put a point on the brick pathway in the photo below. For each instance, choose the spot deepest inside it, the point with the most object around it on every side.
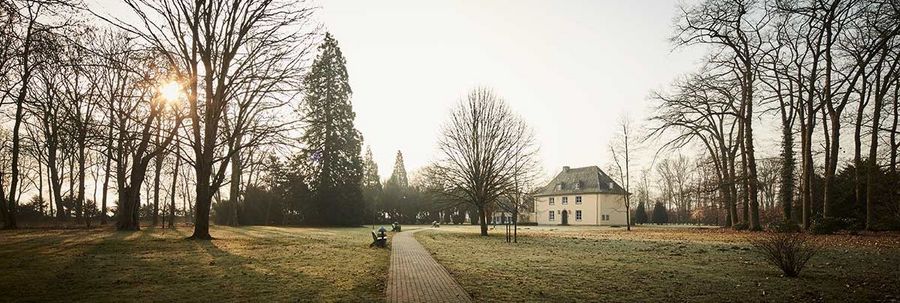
(414, 276)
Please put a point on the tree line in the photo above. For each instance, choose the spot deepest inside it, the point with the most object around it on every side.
(178, 103)
(821, 70)
(240, 112)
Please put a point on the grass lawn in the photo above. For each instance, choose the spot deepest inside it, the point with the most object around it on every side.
(261, 264)
(567, 264)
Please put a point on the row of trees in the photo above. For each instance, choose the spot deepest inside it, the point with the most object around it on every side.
(195, 96)
(187, 98)
(822, 69)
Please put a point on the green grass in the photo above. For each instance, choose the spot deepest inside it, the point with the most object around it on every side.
(652, 264)
(241, 264)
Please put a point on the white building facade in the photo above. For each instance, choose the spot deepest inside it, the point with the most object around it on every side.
(581, 196)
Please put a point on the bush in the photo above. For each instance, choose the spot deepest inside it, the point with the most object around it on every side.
(640, 214)
(783, 227)
(660, 215)
(788, 251)
(827, 226)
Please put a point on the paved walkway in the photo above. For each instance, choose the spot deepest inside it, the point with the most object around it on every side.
(414, 276)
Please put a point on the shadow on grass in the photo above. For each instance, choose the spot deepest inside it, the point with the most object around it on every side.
(158, 265)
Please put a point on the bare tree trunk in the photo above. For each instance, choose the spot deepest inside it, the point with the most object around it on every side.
(4, 211)
(894, 144)
(157, 170)
(234, 193)
(858, 172)
(753, 181)
(72, 189)
(82, 137)
(827, 139)
(872, 168)
(9, 206)
(174, 189)
(627, 183)
(786, 194)
(40, 171)
(50, 199)
(204, 201)
(745, 188)
(482, 216)
(806, 128)
(833, 145)
(55, 181)
(103, 208)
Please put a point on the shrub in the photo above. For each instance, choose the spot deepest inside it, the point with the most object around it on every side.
(660, 215)
(827, 226)
(783, 227)
(788, 251)
(640, 214)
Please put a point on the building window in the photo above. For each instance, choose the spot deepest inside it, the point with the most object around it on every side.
(552, 216)
(552, 201)
(577, 215)
(604, 217)
(577, 200)
(565, 201)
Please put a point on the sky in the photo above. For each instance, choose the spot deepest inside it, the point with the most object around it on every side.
(569, 68)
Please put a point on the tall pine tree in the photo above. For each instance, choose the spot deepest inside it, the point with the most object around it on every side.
(371, 186)
(640, 214)
(332, 144)
(398, 177)
(395, 196)
(371, 180)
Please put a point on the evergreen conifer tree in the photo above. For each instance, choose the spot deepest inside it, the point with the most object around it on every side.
(332, 144)
(398, 177)
(640, 214)
(395, 191)
(371, 186)
(660, 216)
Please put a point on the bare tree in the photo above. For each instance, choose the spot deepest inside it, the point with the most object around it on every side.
(142, 151)
(703, 108)
(212, 47)
(734, 28)
(27, 33)
(621, 152)
(484, 147)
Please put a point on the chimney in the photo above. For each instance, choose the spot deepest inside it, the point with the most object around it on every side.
(565, 169)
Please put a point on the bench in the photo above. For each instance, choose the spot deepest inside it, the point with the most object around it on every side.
(378, 241)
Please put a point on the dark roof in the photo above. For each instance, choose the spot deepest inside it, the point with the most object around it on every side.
(582, 180)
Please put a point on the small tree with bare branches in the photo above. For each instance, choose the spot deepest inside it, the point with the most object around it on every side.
(484, 150)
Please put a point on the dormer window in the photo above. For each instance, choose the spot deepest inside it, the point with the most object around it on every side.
(578, 185)
(559, 186)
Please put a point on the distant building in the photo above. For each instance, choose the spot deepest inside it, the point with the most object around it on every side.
(580, 196)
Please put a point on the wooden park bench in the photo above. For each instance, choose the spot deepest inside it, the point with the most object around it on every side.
(380, 241)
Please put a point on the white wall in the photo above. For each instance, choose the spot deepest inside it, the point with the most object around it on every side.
(609, 204)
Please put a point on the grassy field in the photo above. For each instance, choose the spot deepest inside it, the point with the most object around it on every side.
(243, 264)
(655, 264)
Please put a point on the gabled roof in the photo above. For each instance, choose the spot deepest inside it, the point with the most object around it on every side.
(581, 180)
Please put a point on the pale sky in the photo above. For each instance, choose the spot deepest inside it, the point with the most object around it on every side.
(569, 68)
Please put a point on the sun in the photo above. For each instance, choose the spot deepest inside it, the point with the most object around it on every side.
(171, 91)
